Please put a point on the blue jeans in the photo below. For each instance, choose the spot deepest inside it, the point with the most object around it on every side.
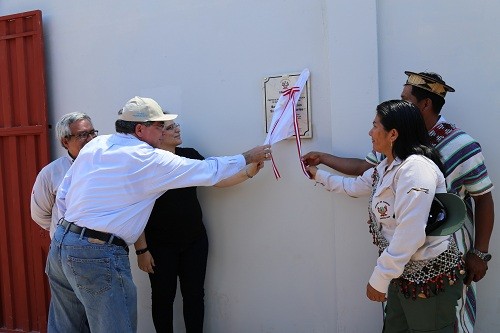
(89, 281)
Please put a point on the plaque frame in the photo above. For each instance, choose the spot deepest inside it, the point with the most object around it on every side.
(273, 87)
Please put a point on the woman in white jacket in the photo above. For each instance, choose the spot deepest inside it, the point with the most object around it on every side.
(413, 269)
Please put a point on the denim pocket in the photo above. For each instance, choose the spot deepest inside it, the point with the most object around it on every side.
(91, 275)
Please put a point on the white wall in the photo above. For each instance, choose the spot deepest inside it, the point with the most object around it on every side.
(284, 255)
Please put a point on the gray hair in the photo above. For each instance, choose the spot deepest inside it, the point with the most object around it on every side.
(62, 126)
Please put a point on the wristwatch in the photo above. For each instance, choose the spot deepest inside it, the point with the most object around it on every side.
(484, 256)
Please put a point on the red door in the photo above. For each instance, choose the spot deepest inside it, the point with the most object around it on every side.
(24, 292)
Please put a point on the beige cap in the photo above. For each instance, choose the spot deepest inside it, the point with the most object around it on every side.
(142, 109)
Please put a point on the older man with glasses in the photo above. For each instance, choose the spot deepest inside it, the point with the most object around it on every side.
(74, 130)
(105, 201)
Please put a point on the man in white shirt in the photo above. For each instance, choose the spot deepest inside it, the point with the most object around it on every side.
(73, 131)
(105, 200)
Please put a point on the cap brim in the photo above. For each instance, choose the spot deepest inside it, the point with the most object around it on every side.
(455, 214)
(165, 117)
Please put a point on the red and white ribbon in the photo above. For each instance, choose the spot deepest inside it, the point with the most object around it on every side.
(285, 123)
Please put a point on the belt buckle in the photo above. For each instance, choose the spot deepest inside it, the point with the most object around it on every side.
(95, 240)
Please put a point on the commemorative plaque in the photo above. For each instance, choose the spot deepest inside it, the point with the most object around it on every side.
(274, 86)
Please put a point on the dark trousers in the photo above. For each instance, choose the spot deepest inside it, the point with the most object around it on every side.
(189, 263)
(435, 314)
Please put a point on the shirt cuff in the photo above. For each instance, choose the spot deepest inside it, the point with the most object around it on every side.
(379, 283)
(321, 177)
(240, 159)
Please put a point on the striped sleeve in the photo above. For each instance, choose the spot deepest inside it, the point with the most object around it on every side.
(374, 158)
(464, 164)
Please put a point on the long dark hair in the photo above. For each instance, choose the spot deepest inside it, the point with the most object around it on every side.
(413, 137)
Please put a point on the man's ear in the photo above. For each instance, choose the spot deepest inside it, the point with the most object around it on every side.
(65, 142)
(139, 130)
(426, 104)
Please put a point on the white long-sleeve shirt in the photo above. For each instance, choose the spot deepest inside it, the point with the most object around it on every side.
(401, 205)
(114, 182)
(43, 195)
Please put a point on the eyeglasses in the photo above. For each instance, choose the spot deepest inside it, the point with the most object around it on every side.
(171, 127)
(84, 135)
(158, 124)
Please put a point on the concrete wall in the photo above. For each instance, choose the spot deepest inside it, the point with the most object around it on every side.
(285, 256)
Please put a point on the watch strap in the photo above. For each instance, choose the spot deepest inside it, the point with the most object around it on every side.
(482, 255)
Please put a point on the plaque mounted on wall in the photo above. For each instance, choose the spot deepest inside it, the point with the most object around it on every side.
(274, 86)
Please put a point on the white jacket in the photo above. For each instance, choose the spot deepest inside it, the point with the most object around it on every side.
(401, 205)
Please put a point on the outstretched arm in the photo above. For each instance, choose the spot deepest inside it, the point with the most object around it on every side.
(248, 172)
(348, 166)
(258, 154)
